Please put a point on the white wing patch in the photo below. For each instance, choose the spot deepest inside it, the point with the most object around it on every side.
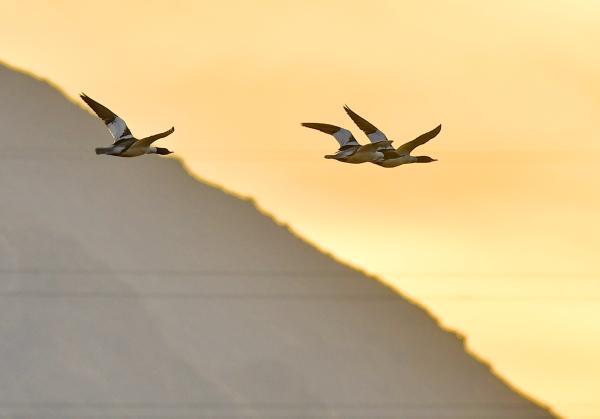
(377, 136)
(117, 128)
(344, 137)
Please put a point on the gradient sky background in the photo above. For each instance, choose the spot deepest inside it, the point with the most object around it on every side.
(499, 238)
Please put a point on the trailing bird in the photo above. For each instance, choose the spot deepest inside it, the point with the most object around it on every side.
(401, 155)
(125, 144)
(350, 150)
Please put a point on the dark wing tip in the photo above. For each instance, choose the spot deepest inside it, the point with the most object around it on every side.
(87, 99)
(319, 126)
(308, 125)
(355, 117)
(313, 125)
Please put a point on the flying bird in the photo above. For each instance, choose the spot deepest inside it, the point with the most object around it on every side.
(125, 144)
(401, 155)
(350, 150)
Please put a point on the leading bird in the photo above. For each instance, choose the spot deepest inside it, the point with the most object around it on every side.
(125, 144)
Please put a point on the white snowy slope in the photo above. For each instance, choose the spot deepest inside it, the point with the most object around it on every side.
(130, 289)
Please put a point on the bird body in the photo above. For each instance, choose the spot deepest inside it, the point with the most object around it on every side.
(125, 144)
(362, 156)
(396, 161)
(343, 153)
(133, 151)
(357, 157)
(367, 153)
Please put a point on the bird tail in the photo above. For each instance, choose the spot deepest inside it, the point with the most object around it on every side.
(103, 150)
(330, 156)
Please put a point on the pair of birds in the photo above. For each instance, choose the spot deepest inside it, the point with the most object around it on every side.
(379, 151)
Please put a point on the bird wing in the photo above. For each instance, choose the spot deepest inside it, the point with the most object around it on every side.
(145, 142)
(116, 125)
(343, 136)
(406, 148)
(374, 134)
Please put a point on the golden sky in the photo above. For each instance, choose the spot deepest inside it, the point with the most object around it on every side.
(499, 238)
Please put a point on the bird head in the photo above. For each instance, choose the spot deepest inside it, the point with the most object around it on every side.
(163, 151)
(425, 159)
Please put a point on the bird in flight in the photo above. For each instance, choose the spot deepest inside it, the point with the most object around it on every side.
(350, 150)
(394, 157)
(125, 144)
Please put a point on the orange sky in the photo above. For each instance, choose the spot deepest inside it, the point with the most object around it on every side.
(507, 216)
